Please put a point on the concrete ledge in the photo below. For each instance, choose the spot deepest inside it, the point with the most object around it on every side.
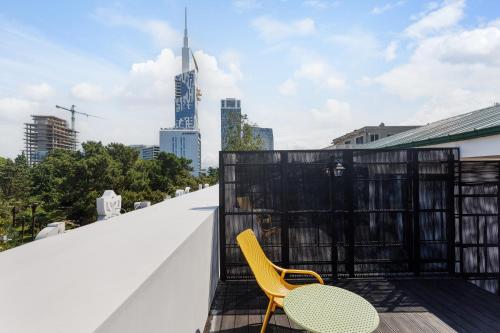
(151, 270)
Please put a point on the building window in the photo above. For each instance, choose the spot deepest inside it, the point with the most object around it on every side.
(348, 142)
(359, 140)
(373, 137)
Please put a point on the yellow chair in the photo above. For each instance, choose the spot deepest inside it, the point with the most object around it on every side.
(266, 273)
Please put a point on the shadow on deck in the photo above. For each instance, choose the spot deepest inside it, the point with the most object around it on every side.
(404, 305)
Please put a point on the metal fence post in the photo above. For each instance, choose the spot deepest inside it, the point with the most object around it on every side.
(408, 198)
(285, 244)
(333, 235)
(222, 219)
(450, 213)
(348, 188)
(460, 229)
(416, 212)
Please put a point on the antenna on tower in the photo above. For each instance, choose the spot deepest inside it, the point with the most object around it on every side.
(185, 46)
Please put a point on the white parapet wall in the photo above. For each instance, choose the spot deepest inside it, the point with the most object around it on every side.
(150, 270)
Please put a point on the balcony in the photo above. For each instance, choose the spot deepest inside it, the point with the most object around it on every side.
(415, 232)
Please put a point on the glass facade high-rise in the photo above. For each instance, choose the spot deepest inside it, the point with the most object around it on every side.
(183, 143)
(230, 116)
(266, 135)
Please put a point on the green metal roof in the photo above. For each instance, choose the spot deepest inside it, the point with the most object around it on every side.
(479, 123)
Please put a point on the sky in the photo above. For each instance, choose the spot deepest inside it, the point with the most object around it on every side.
(310, 69)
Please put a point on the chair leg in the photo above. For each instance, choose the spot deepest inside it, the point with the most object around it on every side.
(270, 309)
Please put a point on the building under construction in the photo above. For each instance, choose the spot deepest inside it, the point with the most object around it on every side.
(46, 133)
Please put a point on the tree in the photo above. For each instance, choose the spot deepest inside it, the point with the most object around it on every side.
(170, 173)
(211, 176)
(15, 180)
(66, 184)
(240, 136)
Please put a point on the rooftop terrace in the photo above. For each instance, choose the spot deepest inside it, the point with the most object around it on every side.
(415, 232)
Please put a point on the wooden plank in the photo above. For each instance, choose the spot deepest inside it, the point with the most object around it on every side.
(447, 309)
(436, 323)
(404, 305)
(383, 326)
(400, 323)
(460, 297)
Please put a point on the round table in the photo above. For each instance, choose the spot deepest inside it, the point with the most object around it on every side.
(326, 309)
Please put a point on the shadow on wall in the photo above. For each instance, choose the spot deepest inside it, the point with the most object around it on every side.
(214, 266)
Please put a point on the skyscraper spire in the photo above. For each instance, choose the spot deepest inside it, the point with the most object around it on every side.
(185, 47)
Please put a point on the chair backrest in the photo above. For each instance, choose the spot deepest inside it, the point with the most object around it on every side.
(265, 274)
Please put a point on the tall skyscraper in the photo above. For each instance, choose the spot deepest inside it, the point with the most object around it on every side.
(184, 139)
(230, 119)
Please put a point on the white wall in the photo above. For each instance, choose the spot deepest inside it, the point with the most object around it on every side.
(152, 270)
(488, 146)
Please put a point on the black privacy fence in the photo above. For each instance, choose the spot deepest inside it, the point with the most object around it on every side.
(355, 213)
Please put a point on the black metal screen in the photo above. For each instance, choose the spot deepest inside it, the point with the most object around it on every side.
(382, 212)
(478, 237)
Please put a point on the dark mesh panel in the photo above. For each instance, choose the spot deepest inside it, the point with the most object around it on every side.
(390, 212)
(478, 239)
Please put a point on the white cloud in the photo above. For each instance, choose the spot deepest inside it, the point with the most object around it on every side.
(88, 92)
(230, 59)
(358, 43)
(323, 123)
(429, 7)
(150, 86)
(334, 112)
(390, 51)
(288, 87)
(160, 31)
(13, 113)
(377, 10)
(318, 72)
(273, 30)
(444, 17)
(15, 109)
(477, 46)
(40, 91)
(244, 5)
(451, 72)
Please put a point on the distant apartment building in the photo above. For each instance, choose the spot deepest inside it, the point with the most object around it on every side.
(367, 134)
(230, 119)
(266, 135)
(147, 152)
(45, 134)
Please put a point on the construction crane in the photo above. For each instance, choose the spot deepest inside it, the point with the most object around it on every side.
(73, 111)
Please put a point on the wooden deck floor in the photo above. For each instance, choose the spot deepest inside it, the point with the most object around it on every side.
(405, 305)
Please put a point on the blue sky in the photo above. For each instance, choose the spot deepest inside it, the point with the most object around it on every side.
(311, 69)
